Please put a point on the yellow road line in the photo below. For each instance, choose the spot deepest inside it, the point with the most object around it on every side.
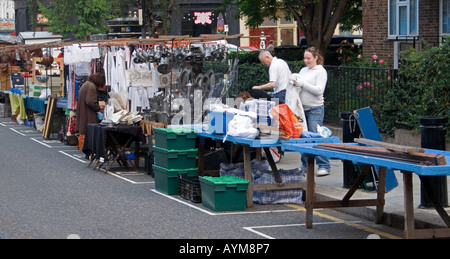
(367, 229)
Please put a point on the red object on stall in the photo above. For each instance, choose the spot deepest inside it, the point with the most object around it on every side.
(288, 123)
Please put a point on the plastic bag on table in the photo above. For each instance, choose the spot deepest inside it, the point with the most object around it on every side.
(288, 123)
(241, 126)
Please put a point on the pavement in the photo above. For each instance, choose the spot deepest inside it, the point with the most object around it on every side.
(331, 187)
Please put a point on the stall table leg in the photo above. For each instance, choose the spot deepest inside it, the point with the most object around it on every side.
(311, 203)
(410, 231)
(310, 193)
(121, 152)
(248, 174)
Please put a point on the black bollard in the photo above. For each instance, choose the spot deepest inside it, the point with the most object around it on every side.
(350, 131)
(433, 130)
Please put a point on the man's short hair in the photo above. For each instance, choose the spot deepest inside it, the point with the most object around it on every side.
(264, 54)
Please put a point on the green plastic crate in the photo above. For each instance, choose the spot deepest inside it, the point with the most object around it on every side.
(175, 138)
(175, 159)
(166, 180)
(225, 193)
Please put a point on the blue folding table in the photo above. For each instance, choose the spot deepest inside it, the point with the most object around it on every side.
(407, 168)
(265, 144)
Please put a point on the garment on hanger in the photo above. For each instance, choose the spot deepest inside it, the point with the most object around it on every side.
(120, 72)
(80, 53)
(139, 98)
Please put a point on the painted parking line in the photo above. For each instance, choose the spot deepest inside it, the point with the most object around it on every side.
(211, 213)
(76, 157)
(10, 124)
(54, 144)
(260, 233)
(348, 223)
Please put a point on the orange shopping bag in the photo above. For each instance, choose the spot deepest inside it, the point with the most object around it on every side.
(288, 123)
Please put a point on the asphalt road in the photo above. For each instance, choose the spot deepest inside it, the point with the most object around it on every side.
(47, 192)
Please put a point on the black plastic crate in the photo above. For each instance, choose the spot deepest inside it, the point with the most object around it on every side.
(189, 188)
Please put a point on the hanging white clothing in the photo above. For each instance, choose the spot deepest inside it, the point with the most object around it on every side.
(139, 98)
(121, 70)
(80, 53)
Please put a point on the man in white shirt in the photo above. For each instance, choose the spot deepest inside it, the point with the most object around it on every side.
(279, 74)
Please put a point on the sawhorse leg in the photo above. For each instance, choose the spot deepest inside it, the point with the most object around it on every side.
(122, 151)
(310, 203)
(310, 192)
(410, 231)
(248, 175)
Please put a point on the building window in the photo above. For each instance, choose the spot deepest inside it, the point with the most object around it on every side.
(445, 17)
(195, 23)
(403, 18)
(281, 31)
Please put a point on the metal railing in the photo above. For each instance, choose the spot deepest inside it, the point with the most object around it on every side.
(352, 88)
(348, 88)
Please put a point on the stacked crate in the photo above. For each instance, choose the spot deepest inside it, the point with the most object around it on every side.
(174, 154)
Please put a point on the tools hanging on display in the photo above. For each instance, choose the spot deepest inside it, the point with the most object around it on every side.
(181, 55)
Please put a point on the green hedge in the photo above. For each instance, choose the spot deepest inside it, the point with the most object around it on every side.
(423, 89)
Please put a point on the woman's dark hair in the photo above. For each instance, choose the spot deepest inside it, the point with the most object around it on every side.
(98, 79)
(316, 53)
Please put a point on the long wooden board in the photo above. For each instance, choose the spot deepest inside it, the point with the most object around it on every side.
(49, 112)
(390, 146)
(369, 130)
(413, 157)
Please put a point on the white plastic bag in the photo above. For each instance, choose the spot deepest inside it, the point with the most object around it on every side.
(242, 126)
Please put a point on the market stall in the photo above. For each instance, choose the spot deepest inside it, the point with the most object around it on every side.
(265, 144)
(107, 144)
(429, 163)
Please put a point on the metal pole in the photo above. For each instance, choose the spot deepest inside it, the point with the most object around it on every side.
(144, 20)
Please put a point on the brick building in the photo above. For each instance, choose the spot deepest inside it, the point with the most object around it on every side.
(391, 26)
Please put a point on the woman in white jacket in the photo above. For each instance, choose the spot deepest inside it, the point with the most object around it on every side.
(310, 84)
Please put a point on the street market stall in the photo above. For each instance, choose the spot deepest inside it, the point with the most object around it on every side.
(265, 144)
(429, 163)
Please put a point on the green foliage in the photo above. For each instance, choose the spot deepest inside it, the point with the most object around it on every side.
(423, 88)
(80, 17)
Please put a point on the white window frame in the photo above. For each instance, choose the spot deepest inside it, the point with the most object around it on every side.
(441, 19)
(407, 4)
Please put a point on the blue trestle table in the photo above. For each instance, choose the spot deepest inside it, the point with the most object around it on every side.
(407, 168)
(264, 143)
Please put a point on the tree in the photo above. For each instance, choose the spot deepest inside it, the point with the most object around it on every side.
(80, 17)
(317, 18)
(158, 13)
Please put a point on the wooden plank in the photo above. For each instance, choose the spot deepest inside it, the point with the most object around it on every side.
(409, 204)
(428, 188)
(282, 186)
(362, 175)
(369, 130)
(416, 158)
(380, 195)
(248, 175)
(310, 192)
(432, 233)
(50, 110)
(390, 146)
